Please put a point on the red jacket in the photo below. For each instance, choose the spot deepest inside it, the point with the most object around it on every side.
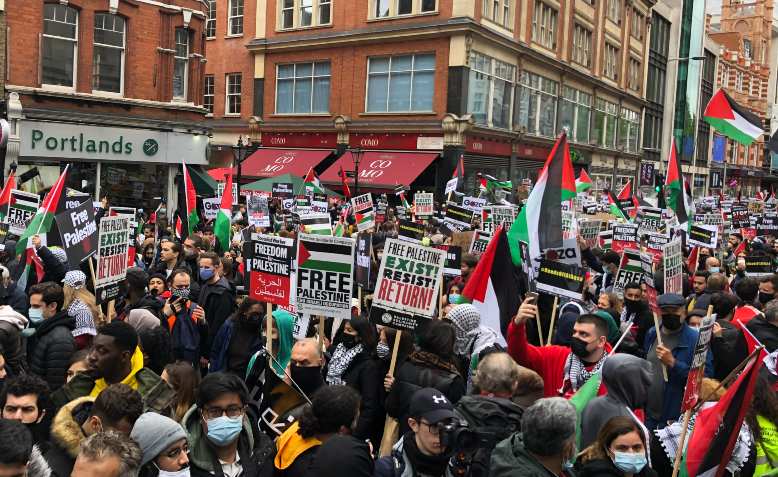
(547, 361)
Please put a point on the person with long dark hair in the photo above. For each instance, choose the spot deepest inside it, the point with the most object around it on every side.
(619, 451)
(762, 419)
(238, 339)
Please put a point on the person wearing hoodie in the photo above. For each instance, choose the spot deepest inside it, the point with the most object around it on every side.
(164, 446)
(116, 358)
(117, 408)
(142, 310)
(222, 437)
(627, 379)
(216, 297)
(18, 455)
(545, 447)
(471, 337)
(636, 312)
(185, 321)
(50, 348)
(13, 295)
(263, 373)
(11, 343)
(333, 410)
(238, 339)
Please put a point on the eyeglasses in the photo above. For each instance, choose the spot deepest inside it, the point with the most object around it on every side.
(174, 453)
(434, 429)
(230, 411)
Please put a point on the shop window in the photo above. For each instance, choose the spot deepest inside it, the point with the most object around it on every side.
(303, 88)
(400, 84)
(134, 184)
(108, 53)
(537, 104)
(490, 94)
(59, 45)
(304, 13)
(395, 8)
(235, 17)
(181, 64)
(234, 88)
(208, 93)
(210, 22)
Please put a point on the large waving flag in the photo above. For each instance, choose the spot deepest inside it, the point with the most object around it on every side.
(615, 206)
(583, 182)
(539, 223)
(493, 288)
(5, 195)
(346, 190)
(311, 183)
(674, 187)
(627, 195)
(732, 120)
(190, 198)
(221, 228)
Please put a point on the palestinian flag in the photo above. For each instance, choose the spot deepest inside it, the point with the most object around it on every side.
(493, 287)
(5, 195)
(489, 183)
(311, 183)
(732, 120)
(626, 196)
(317, 224)
(346, 190)
(581, 399)
(539, 223)
(365, 217)
(741, 248)
(339, 229)
(221, 227)
(615, 206)
(693, 261)
(674, 187)
(179, 227)
(190, 201)
(460, 169)
(583, 182)
(332, 257)
(717, 427)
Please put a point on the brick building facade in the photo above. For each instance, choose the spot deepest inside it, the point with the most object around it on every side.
(112, 87)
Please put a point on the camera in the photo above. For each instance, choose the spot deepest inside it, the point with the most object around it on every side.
(458, 437)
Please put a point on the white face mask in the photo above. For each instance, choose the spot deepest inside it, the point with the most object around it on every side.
(179, 473)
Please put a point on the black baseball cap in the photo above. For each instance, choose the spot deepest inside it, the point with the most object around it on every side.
(431, 405)
(670, 300)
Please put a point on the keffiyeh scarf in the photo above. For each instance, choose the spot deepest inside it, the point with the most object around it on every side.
(85, 323)
(339, 363)
(577, 374)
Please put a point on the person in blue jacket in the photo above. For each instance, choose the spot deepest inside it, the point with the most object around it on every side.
(238, 339)
(675, 354)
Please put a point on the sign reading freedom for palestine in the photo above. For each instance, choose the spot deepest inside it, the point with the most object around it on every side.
(270, 267)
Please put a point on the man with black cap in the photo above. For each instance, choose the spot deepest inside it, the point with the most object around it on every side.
(675, 354)
(421, 451)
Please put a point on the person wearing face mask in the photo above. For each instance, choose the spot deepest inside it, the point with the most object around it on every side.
(266, 370)
(50, 348)
(333, 411)
(223, 439)
(675, 355)
(164, 446)
(767, 288)
(238, 339)
(217, 297)
(636, 312)
(305, 367)
(185, 321)
(627, 379)
(619, 451)
(545, 447)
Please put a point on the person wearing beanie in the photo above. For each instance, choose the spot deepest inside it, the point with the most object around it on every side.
(164, 445)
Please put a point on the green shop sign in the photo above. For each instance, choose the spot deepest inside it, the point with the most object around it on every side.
(81, 143)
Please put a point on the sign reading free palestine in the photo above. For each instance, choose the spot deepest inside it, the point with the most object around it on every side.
(80, 141)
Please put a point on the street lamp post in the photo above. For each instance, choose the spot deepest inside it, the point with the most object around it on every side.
(356, 156)
(242, 151)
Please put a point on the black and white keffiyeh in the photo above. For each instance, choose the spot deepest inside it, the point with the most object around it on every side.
(577, 374)
(340, 361)
(85, 323)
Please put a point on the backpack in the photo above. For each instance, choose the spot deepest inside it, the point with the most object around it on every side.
(489, 421)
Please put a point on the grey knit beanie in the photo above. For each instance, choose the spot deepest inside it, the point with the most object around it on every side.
(154, 433)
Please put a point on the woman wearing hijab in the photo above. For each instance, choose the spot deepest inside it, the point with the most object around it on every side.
(265, 370)
(471, 337)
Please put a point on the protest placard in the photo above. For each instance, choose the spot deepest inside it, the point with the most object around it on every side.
(459, 217)
(647, 261)
(649, 219)
(473, 203)
(588, 230)
(560, 279)
(758, 266)
(283, 190)
(258, 211)
(318, 224)
(739, 217)
(630, 270)
(625, 236)
(451, 185)
(113, 242)
(672, 257)
(701, 235)
(424, 204)
(453, 265)
(496, 215)
(410, 231)
(325, 275)
(319, 203)
(269, 265)
(480, 241)
(363, 259)
(364, 214)
(78, 231)
(21, 210)
(568, 253)
(605, 239)
(766, 225)
(694, 379)
(211, 208)
(409, 278)
(220, 192)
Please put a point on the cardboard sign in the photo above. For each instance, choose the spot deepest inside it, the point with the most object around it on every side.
(694, 379)
(569, 253)
(649, 219)
(258, 211)
(480, 242)
(325, 274)
(112, 246)
(739, 217)
(748, 233)
(21, 210)
(473, 203)
(453, 265)
(424, 203)
(78, 231)
(758, 265)
(220, 192)
(672, 257)
(363, 212)
(766, 225)
(560, 279)
(269, 266)
(459, 217)
(702, 235)
(630, 270)
(363, 259)
(410, 231)
(605, 239)
(283, 190)
(496, 215)
(211, 208)
(589, 230)
(317, 224)
(647, 261)
(408, 282)
(451, 185)
(625, 236)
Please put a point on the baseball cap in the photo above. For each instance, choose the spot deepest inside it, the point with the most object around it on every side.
(431, 405)
(670, 300)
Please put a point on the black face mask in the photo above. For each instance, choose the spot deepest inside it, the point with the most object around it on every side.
(632, 305)
(252, 321)
(765, 297)
(671, 322)
(308, 378)
(349, 341)
(153, 292)
(578, 346)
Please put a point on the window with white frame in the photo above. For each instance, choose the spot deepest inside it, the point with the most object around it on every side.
(303, 88)
(537, 104)
(234, 85)
(208, 93)
(747, 52)
(59, 45)
(635, 77)
(235, 17)
(108, 53)
(396, 8)
(181, 64)
(210, 22)
(544, 25)
(739, 81)
(725, 75)
(582, 46)
(304, 13)
(498, 11)
(613, 11)
(637, 23)
(604, 123)
(629, 125)
(490, 92)
(400, 83)
(611, 62)
(574, 111)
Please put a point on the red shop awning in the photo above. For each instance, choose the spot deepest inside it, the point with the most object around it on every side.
(382, 170)
(275, 162)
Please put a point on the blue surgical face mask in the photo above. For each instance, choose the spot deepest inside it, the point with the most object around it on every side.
(206, 274)
(714, 270)
(454, 298)
(36, 316)
(224, 430)
(629, 462)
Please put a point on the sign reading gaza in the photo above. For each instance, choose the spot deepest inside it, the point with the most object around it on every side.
(270, 267)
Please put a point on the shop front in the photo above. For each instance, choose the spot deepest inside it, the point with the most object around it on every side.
(133, 167)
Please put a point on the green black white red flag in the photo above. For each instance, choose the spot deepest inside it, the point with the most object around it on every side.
(732, 120)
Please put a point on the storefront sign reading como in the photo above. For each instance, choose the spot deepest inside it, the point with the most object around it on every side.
(77, 141)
